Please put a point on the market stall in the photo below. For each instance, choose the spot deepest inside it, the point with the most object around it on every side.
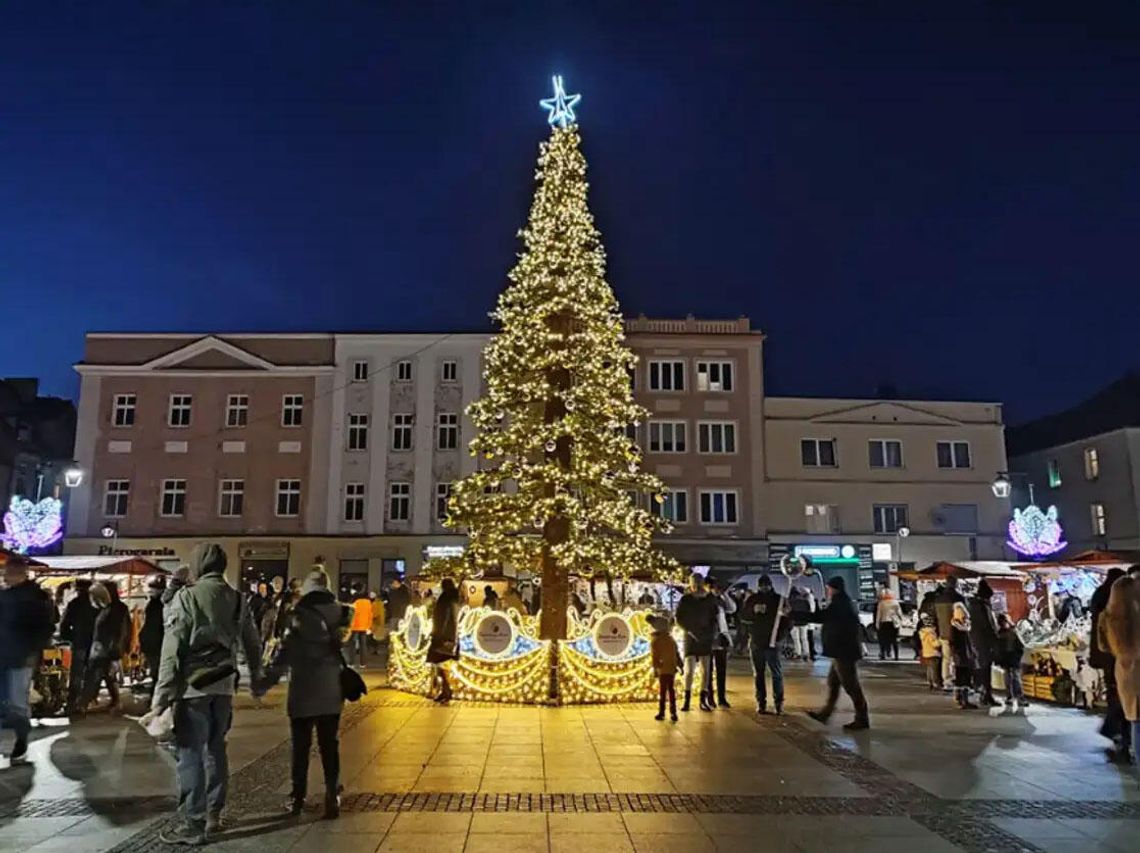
(1007, 580)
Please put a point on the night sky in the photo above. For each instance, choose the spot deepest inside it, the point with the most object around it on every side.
(947, 205)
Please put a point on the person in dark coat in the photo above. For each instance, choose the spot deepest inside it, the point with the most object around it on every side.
(112, 625)
(399, 599)
(1115, 727)
(769, 623)
(842, 642)
(26, 626)
(310, 650)
(983, 636)
(77, 628)
(490, 598)
(444, 643)
(697, 614)
(150, 636)
(965, 656)
(944, 601)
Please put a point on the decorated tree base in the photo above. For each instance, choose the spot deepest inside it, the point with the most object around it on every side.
(605, 659)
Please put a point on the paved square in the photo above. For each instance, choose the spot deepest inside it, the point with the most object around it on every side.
(422, 777)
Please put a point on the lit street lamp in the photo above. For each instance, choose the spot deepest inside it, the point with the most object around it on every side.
(73, 477)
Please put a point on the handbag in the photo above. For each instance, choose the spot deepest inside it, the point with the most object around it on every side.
(352, 686)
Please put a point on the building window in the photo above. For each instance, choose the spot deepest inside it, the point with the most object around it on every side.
(889, 518)
(403, 371)
(354, 502)
(1053, 471)
(357, 432)
(173, 499)
(1099, 520)
(123, 411)
(675, 506)
(714, 375)
(1092, 463)
(231, 498)
(961, 519)
(716, 437)
(237, 410)
(449, 370)
(885, 453)
(288, 498)
(399, 501)
(821, 518)
(360, 370)
(402, 432)
(718, 507)
(953, 454)
(292, 410)
(817, 452)
(447, 431)
(666, 436)
(179, 413)
(116, 497)
(630, 431)
(666, 376)
(442, 496)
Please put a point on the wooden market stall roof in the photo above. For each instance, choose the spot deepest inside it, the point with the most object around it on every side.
(120, 565)
(1094, 559)
(7, 556)
(965, 569)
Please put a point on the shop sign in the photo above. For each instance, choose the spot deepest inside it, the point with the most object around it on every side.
(438, 552)
(494, 634)
(263, 551)
(613, 636)
(881, 552)
(108, 551)
(414, 631)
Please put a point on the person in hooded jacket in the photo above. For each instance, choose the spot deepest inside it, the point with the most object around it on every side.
(112, 625)
(77, 628)
(26, 625)
(150, 637)
(311, 651)
(207, 626)
(1115, 727)
(842, 632)
(983, 637)
(944, 601)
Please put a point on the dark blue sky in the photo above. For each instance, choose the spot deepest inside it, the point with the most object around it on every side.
(949, 204)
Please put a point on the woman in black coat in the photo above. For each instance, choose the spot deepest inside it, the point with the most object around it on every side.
(444, 645)
(311, 650)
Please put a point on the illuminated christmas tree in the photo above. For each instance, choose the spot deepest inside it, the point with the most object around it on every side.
(560, 486)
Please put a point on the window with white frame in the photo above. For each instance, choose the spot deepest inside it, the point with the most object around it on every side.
(231, 498)
(818, 452)
(173, 503)
(1099, 519)
(888, 518)
(237, 410)
(442, 496)
(358, 432)
(399, 501)
(292, 410)
(402, 431)
(116, 498)
(404, 371)
(716, 437)
(667, 437)
(674, 507)
(885, 453)
(288, 498)
(714, 375)
(821, 518)
(666, 376)
(354, 502)
(449, 370)
(178, 415)
(1092, 463)
(123, 410)
(953, 454)
(718, 507)
(447, 431)
(360, 370)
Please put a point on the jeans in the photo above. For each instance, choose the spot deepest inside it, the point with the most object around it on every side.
(360, 645)
(302, 731)
(200, 727)
(666, 688)
(706, 673)
(1013, 683)
(15, 706)
(888, 640)
(844, 673)
(720, 669)
(768, 658)
(947, 662)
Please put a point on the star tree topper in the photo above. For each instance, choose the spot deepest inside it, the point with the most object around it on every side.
(561, 106)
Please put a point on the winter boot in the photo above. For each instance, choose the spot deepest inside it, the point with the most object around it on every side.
(706, 701)
(688, 701)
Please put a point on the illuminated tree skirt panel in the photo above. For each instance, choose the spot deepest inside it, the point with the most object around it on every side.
(501, 659)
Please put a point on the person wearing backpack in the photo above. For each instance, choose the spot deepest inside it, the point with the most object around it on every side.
(26, 625)
(207, 624)
(311, 651)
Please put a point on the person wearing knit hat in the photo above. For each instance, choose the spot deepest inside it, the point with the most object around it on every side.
(841, 643)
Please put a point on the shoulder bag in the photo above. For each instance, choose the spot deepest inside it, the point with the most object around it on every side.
(352, 686)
